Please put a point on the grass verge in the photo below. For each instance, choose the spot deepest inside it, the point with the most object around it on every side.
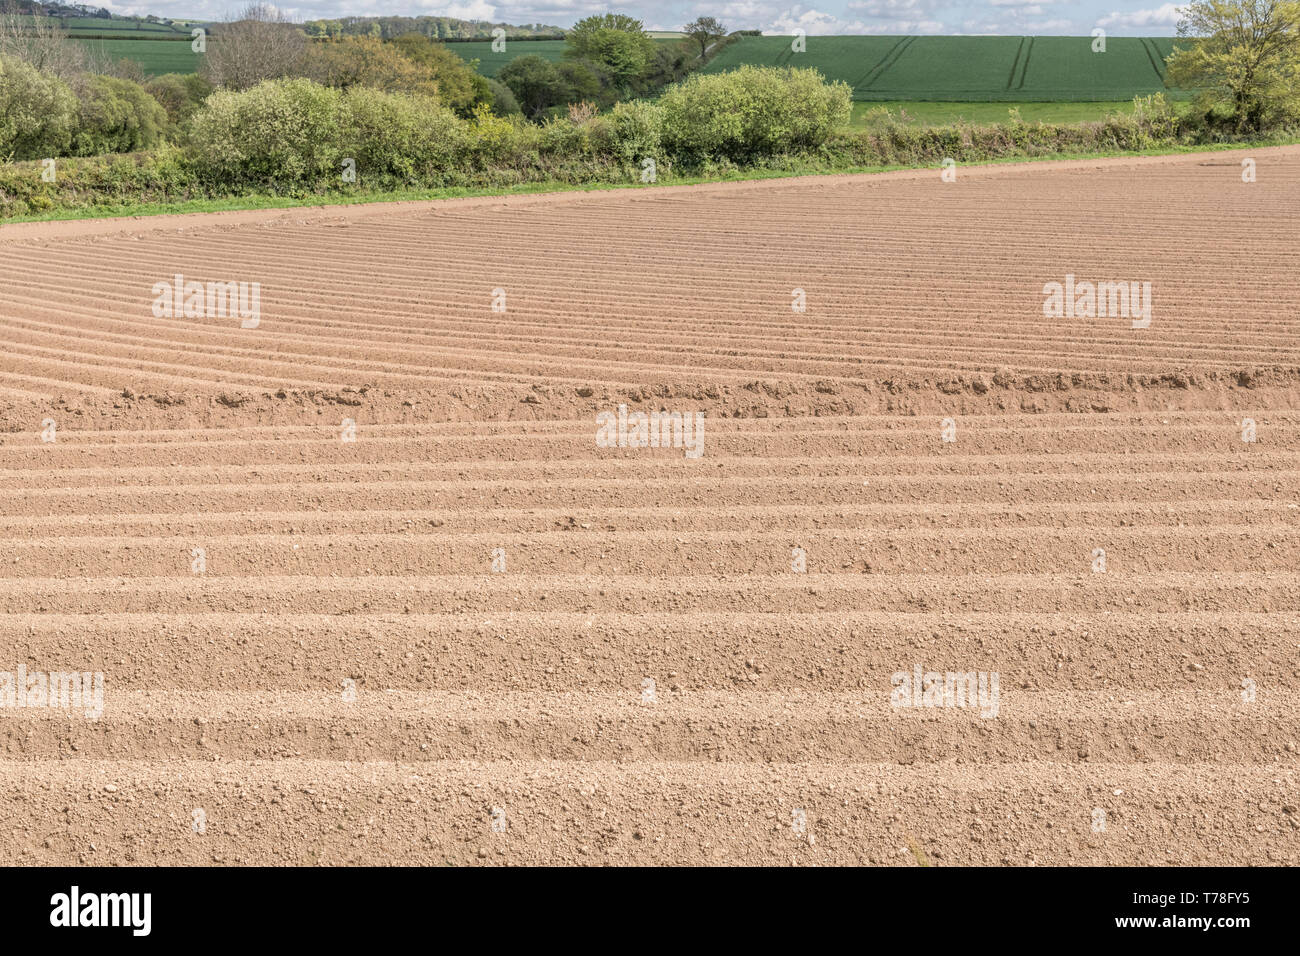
(947, 114)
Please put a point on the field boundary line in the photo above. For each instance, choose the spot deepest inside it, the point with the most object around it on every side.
(1015, 63)
(1154, 56)
(887, 61)
(1024, 67)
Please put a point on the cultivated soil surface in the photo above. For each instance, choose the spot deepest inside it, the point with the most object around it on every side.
(472, 635)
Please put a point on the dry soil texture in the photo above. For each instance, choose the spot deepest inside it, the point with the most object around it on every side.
(474, 635)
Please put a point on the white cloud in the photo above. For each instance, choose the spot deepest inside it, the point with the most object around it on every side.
(905, 26)
(1164, 16)
(775, 16)
(810, 21)
(475, 10)
(1042, 27)
(891, 9)
(815, 22)
(748, 10)
(558, 12)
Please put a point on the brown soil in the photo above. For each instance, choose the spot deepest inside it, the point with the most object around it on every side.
(1162, 691)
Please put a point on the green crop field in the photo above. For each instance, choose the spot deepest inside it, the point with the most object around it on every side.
(1065, 67)
(154, 56)
(895, 69)
(923, 68)
(969, 69)
(852, 59)
(491, 63)
(157, 47)
(103, 26)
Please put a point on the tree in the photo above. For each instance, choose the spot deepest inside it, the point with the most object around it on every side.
(622, 54)
(670, 63)
(704, 31)
(459, 86)
(37, 112)
(582, 82)
(1245, 53)
(180, 94)
(603, 21)
(500, 100)
(536, 84)
(614, 41)
(366, 61)
(115, 116)
(262, 44)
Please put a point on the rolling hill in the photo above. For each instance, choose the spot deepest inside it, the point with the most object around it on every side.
(959, 68)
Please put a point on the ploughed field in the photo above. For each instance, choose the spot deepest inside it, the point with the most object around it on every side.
(364, 586)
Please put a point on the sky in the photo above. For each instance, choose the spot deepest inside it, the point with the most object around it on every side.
(1038, 17)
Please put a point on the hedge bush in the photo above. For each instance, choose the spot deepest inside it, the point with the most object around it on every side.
(888, 142)
(161, 175)
(280, 133)
(751, 113)
(635, 132)
(115, 116)
(37, 112)
(180, 94)
(402, 139)
(502, 142)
